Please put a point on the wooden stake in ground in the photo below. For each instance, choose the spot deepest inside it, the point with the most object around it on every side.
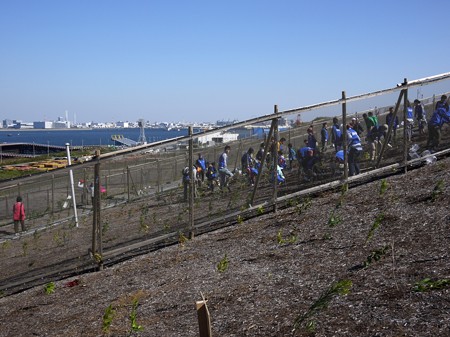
(204, 320)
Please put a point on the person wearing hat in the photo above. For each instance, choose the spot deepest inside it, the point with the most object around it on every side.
(357, 126)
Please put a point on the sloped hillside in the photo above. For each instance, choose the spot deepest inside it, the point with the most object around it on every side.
(372, 261)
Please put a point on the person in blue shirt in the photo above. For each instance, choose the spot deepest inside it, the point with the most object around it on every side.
(224, 173)
(201, 168)
(442, 103)
(336, 135)
(211, 175)
(281, 160)
(390, 120)
(324, 137)
(291, 156)
(306, 159)
(312, 141)
(338, 164)
(439, 117)
(354, 151)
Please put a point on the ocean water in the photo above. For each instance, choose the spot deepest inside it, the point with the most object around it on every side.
(84, 137)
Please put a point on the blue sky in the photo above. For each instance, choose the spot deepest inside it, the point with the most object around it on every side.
(110, 60)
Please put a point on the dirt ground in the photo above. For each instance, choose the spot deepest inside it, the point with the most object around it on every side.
(371, 261)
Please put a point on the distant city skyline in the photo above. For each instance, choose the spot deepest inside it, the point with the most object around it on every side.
(207, 61)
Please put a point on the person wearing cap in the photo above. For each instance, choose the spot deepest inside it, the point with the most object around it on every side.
(357, 126)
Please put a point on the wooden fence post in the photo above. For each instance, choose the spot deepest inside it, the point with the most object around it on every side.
(263, 161)
(405, 138)
(53, 194)
(191, 184)
(344, 135)
(275, 159)
(158, 177)
(128, 183)
(97, 249)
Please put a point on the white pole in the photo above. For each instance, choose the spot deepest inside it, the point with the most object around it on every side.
(72, 185)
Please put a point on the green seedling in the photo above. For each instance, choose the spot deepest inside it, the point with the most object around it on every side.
(108, 317)
(428, 284)
(105, 226)
(383, 186)
(374, 227)
(223, 264)
(437, 190)
(98, 258)
(339, 288)
(327, 236)
(281, 240)
(143, 226)
(304, 205)
(49, 288)
(334, 220)
(260, 210)
(134, 326)
(240, 219)
(5, 245)
(376, 255)
(182, 239)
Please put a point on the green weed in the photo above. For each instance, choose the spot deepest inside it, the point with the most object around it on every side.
(182, 239)
(339, 288)
(105, 226)
(374, 227)
(108, 317)
(134, 326)
(304, 205)
(223, 264)
(437, 190)
(281, 240)
(334, 220)
(376, 255)
(428, 284)
(383, 186)
(49, 288)
(6, 245)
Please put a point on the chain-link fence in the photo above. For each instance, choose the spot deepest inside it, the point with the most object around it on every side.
(144, 202)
